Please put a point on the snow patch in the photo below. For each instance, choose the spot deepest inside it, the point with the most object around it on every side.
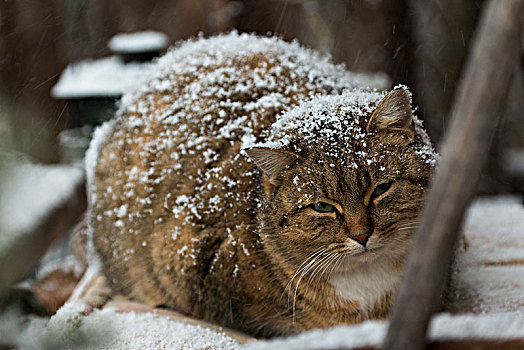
(105, 77)
(145, 41)
(72, 327)
(100, 135)
(372, 333)
(28, 192)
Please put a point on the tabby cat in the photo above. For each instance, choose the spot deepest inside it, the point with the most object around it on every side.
(253, 183)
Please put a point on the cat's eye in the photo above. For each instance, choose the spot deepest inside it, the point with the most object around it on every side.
(323, 207)
(381, 189)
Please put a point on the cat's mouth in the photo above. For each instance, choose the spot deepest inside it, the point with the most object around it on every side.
(360, 255)
(350, 260)
(353, 249)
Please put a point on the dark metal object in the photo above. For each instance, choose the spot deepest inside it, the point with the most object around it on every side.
(144, 56)
(91, 110)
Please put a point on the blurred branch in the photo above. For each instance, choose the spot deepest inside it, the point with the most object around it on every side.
(79, 31)
(440, 30)
(317, 24)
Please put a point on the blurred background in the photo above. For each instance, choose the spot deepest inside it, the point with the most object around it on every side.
(422, 44)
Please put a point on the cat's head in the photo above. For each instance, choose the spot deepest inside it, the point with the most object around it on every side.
(343, 176)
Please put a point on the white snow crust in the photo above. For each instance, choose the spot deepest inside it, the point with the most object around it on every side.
(27, 193)
(106, 329)
(100, 135)
(500, 326)
(145, 41)
(489, 273)
(191, 55)
(105, 77)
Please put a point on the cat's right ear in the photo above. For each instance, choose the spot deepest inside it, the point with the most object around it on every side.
(272, 161)
(393, 114)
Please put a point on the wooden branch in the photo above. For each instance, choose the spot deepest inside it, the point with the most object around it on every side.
(480, 100)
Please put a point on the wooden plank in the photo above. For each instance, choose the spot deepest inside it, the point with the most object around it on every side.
(480, 100)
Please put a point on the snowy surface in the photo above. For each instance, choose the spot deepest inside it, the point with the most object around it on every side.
(107, 329)
(192, 57)
(105, 77)
(145, 41)
(28, 192)
(100, 135)
(489, 276)
(371, 333)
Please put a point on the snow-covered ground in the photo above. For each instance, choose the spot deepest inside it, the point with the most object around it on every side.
(28, 194)
(488, 293)
(108, 329)
(29, 188)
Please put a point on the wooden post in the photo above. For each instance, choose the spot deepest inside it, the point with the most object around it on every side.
(479, 101)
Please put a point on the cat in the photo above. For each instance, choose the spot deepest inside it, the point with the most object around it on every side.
(253, 183)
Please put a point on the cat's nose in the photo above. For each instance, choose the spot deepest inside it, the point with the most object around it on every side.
(362, 238)
(359, 228)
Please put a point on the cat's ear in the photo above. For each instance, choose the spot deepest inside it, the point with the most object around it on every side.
(393, 113)
(272, 161)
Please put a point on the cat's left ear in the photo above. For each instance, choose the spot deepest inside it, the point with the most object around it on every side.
(393, 113)
(272, 161)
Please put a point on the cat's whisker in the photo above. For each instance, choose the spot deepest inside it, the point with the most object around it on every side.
(317, 261)
(337, 263)
(313, 256)
(409, 224)
(408, 228)
(329, 264)
(304, 272)
(299, 269)
(315, 273)
(333, 260)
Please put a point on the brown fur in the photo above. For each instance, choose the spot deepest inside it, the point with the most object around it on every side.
(235, 264)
